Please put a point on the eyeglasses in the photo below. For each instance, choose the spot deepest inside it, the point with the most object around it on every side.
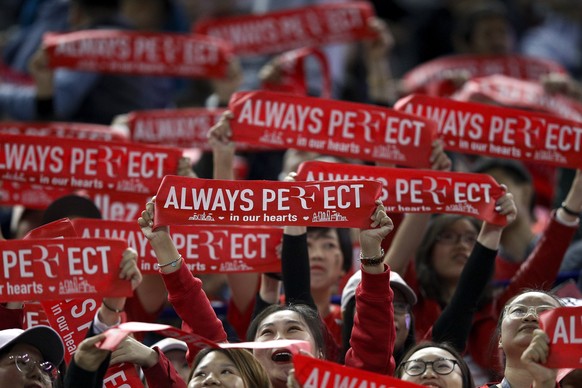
(401, 308)
(518, 311)
(25, 365)
(442, 366)
(451, 238)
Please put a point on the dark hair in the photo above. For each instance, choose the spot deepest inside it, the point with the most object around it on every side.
(308, 314)
(475, 12)
(514, 168)
(345, 242)
(466, 376)
(70, 206)
(251, 370)
(428, 279)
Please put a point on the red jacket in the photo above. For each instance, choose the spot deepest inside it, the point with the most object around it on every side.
(373, 334)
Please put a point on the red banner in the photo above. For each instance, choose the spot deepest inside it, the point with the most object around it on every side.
(191, 201)
(500, 132)
(34, 315)
(113, 205)
(114, 336)
(32, 196)
(432, 77)
(185, 128)
(298, 27)
(139, 53)
(512, 92)
(293, 79)
(58, 129)
(71, 319)
(331, 127)
(315, 373)
(216, 249)
(62, 228)
(564, 327)
(419, 191)
(122, 376)
(64, 268)
(85, 164)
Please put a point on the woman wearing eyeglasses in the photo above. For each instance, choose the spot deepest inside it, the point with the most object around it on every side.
(30, 358)
(523, 343)
(435, 364)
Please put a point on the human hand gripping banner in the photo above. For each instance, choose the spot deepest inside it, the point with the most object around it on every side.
(419, 191)
(191, 201)
(42, 269)
(500, 132)
(564, 328)
(86, 164)
(139, 53)
(331, 127)
(275, 32)
(212, 249)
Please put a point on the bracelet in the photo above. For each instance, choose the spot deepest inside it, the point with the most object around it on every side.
(569, 211)
(111, 308)
(173, 263)
(374, 260)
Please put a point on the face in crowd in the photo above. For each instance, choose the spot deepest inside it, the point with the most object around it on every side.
(229, 368)
(24, 366)
(276, 322)
(520, 318)
(435, 365)
(325, 258)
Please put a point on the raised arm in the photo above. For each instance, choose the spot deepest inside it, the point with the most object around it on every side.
(373, 334)
(454, 324)
(410, 232)
(184, 290)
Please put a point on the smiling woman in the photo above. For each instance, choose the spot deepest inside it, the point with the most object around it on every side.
(436, 365)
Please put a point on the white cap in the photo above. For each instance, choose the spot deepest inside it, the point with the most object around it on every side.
(396, 283)
(168, 344)
(44, 338)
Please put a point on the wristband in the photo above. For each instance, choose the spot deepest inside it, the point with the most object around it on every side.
(373, 260)
(173, 263)
(111, 308)
(569, 211)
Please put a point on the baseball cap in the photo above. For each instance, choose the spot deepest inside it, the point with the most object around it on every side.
(396, 283)
(44, 338)
(168, 344)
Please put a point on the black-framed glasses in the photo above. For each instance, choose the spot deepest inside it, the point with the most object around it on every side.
(451, 238)
(442, 366)
(518, 311)
(25, 364)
